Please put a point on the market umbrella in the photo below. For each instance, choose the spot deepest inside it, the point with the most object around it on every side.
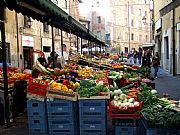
(85, 50)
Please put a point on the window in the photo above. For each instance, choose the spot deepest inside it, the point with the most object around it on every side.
(139, 11)
(145, 13)
(99, 19)
(98, 4)
(45, 27)
(65, 4)
(140, 37)
(27, 22)
(132, 36)
(46, 49)
(167, 47)
(146, 38)
(132, 22)
(126, 36)
(126, 49)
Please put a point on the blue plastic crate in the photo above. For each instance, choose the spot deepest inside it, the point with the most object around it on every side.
(93, 124)
(60, 108)
(61, 124)
(124, 130)
(36, 108)
(62, 132)
(92, 111)
(92, 132)
(37, 125)
(125, 122)
(92, 103)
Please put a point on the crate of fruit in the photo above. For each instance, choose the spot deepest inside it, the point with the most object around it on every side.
(37, 88)
(65, 90)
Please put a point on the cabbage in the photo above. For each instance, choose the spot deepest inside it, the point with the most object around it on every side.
(153, 91)
(122, 96)
(136, 103)
(116, 97)
(131, 100)
(125, 101)
(116, 92)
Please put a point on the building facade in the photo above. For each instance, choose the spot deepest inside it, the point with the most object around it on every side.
(23, 34)
(127, 27)
(167, 34)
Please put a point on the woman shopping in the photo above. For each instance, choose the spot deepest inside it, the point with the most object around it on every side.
(156, 63)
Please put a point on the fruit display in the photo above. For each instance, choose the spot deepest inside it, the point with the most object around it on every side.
(99, 74)
(16, 76)
(119, 66)
(67, 85)
(85, 72)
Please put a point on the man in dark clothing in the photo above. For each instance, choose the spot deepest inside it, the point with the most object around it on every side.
(149, 55)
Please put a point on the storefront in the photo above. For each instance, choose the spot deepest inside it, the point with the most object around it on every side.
(28, 45)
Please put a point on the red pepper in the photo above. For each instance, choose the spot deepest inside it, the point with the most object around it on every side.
(66, 82)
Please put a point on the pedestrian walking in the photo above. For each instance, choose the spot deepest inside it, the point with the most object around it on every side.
(131, 57)
(140, 53)
(156, 63)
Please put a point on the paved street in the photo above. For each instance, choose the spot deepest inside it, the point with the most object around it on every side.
(168, 84)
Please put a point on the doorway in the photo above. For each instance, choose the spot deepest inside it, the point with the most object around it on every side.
(28, 59)
(166, 45)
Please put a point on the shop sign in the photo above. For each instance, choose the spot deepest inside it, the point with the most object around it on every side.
(178, 26)
(158, 24)
(46, 42)
(27, 41)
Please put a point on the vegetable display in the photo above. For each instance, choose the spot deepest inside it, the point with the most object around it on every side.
(158, 111)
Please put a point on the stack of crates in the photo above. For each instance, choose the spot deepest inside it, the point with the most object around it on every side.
(126, 127)
(62, 117)
(37, 118)
(93, 117)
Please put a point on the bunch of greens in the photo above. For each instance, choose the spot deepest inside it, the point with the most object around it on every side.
(115, 75)
(89, 88)
(156, 110)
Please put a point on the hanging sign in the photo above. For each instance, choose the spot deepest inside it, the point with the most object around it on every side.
(178, 26)
(27, 41)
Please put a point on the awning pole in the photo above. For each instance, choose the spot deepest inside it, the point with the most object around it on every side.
(77, 44)
(61, 42)
(3, 37)
(53, 46)
(81, 44)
